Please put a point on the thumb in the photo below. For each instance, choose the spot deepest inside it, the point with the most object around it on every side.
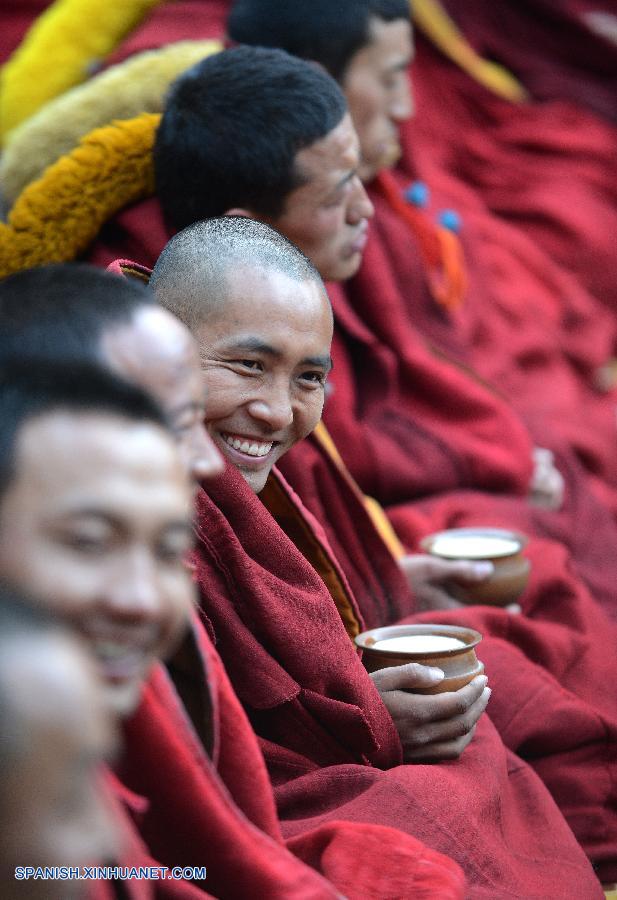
(409, 677)
(468, 570)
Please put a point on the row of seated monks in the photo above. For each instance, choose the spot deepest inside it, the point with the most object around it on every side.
(329, 327)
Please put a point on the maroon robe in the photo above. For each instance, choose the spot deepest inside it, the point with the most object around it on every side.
(330, 744)
(213, 805)
(547, 44)
(545, 168)
(562, 639)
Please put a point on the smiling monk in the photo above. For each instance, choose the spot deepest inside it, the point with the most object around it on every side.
(191, 775)
(282, 611)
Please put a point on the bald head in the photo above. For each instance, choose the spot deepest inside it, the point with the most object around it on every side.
(191, 276)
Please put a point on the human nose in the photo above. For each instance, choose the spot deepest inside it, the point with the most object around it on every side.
(205, 461)
(360, 206)
(402, 106)
(135, 594)
(273, 407)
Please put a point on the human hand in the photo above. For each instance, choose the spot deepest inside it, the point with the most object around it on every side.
(429, 578)
(547, 484)
(432, 727)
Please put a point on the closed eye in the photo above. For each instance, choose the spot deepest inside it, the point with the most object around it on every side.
(253, 365)
(317, 378)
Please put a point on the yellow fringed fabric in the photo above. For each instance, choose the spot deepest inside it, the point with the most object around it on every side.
(432, 19)
(126, 90)
(373, 508)
(60, 50)
(58, 216)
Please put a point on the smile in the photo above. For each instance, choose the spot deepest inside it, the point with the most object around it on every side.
(248, 445)
(120, 662)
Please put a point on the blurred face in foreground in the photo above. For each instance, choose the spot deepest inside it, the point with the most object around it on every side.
(155, 351)
(95, 525)
(378, 90)
(266, 352)
(56, 732)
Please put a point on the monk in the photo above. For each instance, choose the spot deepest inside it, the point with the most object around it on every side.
(56, 733)
(215, 803)
(397, 405)
(521, 323)
(283, 636)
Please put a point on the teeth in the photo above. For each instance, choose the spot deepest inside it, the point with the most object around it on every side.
(251, 448)
(108, 650)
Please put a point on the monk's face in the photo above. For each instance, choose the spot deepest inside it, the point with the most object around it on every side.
(327, 217)
(266, 352)
(378, 91)
(155, 351)
(58, 733)
(96, 525)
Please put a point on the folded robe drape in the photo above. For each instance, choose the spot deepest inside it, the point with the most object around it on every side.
(135, 854)
(546, 168)
(562, 633)
(194, 808)
(507, 330)
(329, 742)
(548, 44)
(409, 424)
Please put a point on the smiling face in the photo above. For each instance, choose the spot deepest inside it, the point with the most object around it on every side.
(95, 525)
(327, 217)
(265, 348)
(58, 734)
(378, 91)
(156, 352)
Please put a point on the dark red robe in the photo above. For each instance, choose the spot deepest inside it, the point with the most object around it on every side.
(545, 168)
(439, 448)
(195, 805)
(547, 44)
(329, 742)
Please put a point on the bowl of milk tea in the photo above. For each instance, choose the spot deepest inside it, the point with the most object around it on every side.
(450, 648)
(501, 547)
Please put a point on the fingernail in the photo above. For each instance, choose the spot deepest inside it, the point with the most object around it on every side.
(487, 693)
(483, 679)
(482, 569)
(436, 674)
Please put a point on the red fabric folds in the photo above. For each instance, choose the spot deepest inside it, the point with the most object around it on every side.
(330, 745)
(412, 425)
(544, 168)
(548, 45)
(217, 809)
(551, 669)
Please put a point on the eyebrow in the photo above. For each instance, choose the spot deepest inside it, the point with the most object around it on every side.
(116, 522)
(256, 345)
(341, 184)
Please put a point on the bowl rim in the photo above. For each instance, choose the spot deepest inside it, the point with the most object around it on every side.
(386, 631)
(476, 531)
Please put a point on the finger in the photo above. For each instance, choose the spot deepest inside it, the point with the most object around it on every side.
(431, 568)
(411, 710)
(450, 729)
(514, 609)
(407, 678)
(439, 752)
(437, 707)
(543, 456)
(466, 570)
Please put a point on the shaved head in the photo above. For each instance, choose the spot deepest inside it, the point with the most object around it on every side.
(191, 276)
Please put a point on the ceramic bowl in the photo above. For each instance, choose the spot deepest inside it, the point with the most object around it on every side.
(459, 664)
(497, 545)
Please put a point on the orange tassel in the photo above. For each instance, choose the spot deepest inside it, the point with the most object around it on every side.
(440, 248)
